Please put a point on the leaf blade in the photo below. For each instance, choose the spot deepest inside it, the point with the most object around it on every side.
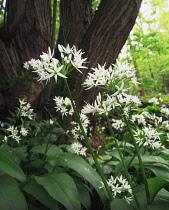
(62, 188)
(10, 167)
(11, 198)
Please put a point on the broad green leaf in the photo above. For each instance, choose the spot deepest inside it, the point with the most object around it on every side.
(9, 166)
(159, 171)
(11, 198)
(18, 153)
(160, 201)
(120, 204)
(52, 149)
(84, 193)
(62, 188)
(141, 195)
(163, 195)
(147, 160)
(114, 153)
(155, 185)
(78, 164)
(37, 191)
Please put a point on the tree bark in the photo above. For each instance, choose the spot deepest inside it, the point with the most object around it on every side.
(75, 17)
(26, 35)
(105, 38)
(101, 37)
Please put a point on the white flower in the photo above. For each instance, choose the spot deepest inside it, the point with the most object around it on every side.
(128, 199)
(165, 111)
(146, 114)
(129, 99)
(5, 139)
(77, 60)
(117, 124)
(165, 125)
(121, 88)
(14, 133)
(73, 56)
(66, 50)
(64, 106)
(76, 131)
(154, 101)
(47, 67)
(119, 187)
(78, 148)
(51, 122)
(47, 57)
(24, 110)
(139, 118)
(1, 124)
(97, 78)
(24, 131)
(148, 136)
(101, 106)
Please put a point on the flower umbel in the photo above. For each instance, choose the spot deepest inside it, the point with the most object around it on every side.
(63, 105)
(120, 188)
(78, 148)
(47, 67)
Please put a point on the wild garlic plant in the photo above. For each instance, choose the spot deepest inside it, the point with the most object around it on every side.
(47, 67)
(114, 100)
(18, 128)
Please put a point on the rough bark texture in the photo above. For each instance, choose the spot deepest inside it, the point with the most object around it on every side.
(101, 37)
(75, 17)
(105, 38)
(24, 37)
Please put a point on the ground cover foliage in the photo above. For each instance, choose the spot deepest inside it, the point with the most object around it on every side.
(129, 169)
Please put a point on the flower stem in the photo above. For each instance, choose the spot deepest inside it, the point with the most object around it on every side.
(139, 158)
(88, 143)
(122, 160)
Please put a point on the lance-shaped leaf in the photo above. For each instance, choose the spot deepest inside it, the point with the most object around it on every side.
(39, 192)
(78, 164)
(62, 188)
(11, 198)
(9, 166)
(155, 185)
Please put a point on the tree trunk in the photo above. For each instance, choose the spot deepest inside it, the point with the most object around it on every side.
(101, 37)
(26, 35)
(105, 38)
(75, 17)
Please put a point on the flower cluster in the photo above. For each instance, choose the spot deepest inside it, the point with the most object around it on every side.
(73, 56)
(47, 67)
(139, 119)
(76, 131)
(78, 148)
(106, 77)
(120, 188)
(101, 106)
(148, 137)
(117, 124)
(63, 105)
(126, 100)
(16, 133)
(154, 101)
(165, 111)
(25, 110)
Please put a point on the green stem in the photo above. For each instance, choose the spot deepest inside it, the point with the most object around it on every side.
(88, 143)
(44, 155)
(139, 158)
(122, 160)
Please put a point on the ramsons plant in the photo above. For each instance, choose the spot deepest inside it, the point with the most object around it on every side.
(132, 171)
